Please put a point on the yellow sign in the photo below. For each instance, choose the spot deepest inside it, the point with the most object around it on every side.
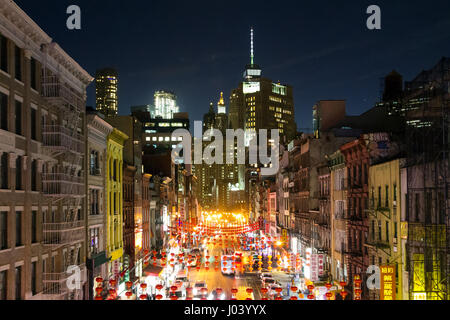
(404, 230)
(284, 236)
(419, 296)
(387, 291)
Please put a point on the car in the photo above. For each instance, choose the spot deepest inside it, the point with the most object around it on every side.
(198, 287)
(214, 296)
(183, 277)
(269, 281)
(179, 293)
(265, 275)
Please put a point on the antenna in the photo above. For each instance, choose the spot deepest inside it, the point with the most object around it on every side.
(251, 46)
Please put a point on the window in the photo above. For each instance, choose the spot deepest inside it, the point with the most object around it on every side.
(4, 171)
(33, 278)
(18, 228)
(3, 53)
(379, 230)
(94, 240)
(95, 202)
(115, 170)
(379, 197)
(417, 205)
(387, 231)
(33, 226)
(395, 192)
(3, 111)
(18, 63)
(34, 175)
(33, 124)
(395, 230)
(33, 73)
(387, 197)
(19, 173)
(18, 117)
(3, 279)
(18, 278)
(93, 163)
(3, 230)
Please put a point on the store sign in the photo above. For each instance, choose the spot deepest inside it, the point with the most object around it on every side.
(182, 211)
(284, 237)
(308, 263)
(294, 245)
(387, 291)
(419, 296)
(314, 267)
(320, 263)
(116, 266)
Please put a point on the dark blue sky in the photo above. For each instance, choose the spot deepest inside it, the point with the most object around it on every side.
(199, 48)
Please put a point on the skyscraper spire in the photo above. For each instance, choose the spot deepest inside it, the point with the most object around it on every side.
(251, 46)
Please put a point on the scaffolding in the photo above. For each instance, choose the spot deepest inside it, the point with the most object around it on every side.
(426, 108)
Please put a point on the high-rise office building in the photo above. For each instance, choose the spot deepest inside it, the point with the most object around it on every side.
(218, 182)
(106, 91)
(263, 103)
(165, 104)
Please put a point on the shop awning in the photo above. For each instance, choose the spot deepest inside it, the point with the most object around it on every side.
(152, 270)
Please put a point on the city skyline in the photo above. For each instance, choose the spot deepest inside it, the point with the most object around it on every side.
(312, 57)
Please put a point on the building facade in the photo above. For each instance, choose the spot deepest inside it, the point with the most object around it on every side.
(114, 203)
(98, 131)
(42, 99)
(384, 215)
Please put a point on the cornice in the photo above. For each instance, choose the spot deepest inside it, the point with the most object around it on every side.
(22, 30)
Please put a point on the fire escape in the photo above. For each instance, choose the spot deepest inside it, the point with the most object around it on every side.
(64, 188)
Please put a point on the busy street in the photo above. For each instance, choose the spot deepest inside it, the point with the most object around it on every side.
(202, 263)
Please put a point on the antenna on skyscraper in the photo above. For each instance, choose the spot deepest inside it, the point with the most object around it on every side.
(251, 46)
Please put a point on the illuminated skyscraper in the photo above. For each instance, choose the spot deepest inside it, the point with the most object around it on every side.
(264, 104)
(106, 91)
(165, 104)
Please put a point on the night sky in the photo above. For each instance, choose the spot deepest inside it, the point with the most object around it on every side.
(199, 48)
